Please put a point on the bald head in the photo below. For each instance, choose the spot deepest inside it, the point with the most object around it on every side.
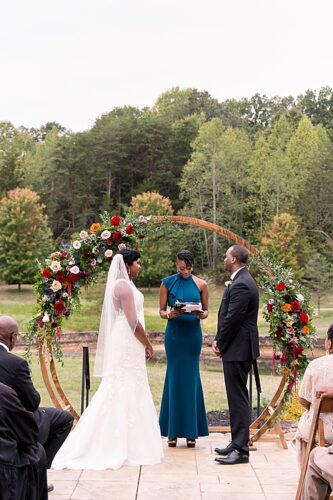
(8, 331)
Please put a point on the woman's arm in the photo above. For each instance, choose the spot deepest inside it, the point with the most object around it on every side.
(203, 287)
(126, 297)
(164, 304)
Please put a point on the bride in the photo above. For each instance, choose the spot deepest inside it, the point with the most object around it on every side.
(120, 426)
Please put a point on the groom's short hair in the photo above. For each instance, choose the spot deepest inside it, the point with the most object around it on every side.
(240, 253)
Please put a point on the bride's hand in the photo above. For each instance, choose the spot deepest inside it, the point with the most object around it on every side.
(149, 351)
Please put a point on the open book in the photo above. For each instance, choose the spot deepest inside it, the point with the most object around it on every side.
(188, 306)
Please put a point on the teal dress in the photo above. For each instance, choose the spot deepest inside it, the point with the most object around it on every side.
(183, 411)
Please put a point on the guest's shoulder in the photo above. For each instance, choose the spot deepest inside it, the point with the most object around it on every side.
(168, 281)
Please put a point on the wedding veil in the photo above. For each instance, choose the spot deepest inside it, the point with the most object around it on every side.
(118, 301)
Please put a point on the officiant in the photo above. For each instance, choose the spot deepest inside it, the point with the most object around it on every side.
(183, 303)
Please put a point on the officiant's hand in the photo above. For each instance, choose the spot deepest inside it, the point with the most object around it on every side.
(200, 314)
(173, 313)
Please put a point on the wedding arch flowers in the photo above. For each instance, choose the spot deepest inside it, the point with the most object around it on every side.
(289, 314)
(61, 277)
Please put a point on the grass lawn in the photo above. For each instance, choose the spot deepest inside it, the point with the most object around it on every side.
(21, 306)
(212, 381)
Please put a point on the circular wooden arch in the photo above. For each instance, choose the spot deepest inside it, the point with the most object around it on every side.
(268, 418)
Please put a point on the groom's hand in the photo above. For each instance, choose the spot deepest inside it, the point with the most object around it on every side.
(216, 349)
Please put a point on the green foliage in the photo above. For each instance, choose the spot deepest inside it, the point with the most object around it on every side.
(285, 242)
(24, 236)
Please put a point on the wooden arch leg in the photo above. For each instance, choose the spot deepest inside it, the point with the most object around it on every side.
(47, 364)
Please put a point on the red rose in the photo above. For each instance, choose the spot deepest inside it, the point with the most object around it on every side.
(304, 318)
(117, 236)
(46, 273)
(295, 306)
(61, 276)
(269, 307)
(115, 220)
(64, 255)
(298, 351)
(129, 228)
(73, 277)
(59, 306)
(280, 286)
(279, 332)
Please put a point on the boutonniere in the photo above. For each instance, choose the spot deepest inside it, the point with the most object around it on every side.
(227, 283)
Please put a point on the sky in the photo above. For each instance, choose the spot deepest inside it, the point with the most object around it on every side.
(70, 61)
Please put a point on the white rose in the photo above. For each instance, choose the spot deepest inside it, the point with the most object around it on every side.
(71, 262)
(74, 270)
(83, 235)
(121, 246)
(299, 297)
(76, 244)
(106, 235)
(108, 253)
(56, 285)
(93, 263)
(143, 219)
(65, 295)
(55, 266)
(46, 318)
(45, 298)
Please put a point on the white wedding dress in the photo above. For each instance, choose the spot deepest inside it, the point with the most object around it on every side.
(120, 426)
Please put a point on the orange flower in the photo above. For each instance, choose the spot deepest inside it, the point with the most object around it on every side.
(286, 308)
(305, 330)
(95, 227)
(109, 242)
(54, 256)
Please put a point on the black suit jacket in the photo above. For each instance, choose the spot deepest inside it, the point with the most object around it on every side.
(18, 431)
(14, 372)
(237, 332)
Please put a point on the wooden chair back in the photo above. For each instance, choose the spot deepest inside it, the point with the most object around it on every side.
(322, 405)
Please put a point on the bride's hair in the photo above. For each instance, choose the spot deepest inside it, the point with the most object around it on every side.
(130, 255)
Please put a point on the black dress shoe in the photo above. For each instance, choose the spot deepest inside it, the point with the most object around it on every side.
(224, 451)
(234, 457)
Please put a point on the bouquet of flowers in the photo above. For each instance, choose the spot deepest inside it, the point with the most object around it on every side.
(289, 314)
(61, 276)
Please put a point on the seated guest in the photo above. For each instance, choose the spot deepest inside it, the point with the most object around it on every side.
(319, 373)
(54, 424)
(22, 459)
(318, 482)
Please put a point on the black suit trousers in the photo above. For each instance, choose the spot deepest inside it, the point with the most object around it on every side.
(54, 426)
(235, 376)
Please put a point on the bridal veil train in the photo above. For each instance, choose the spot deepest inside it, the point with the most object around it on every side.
(120, 426)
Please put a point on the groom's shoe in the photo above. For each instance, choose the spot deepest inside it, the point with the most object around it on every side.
(234, 457)
(224, 451)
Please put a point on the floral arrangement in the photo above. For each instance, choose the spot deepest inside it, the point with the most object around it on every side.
(289, 314)
(61, 276)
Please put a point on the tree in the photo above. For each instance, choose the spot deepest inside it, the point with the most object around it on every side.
(14, 145)
(285, 242)
(318, 276)
(158, 248)
(24, 236)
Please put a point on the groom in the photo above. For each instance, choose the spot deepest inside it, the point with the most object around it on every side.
(237, 342)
